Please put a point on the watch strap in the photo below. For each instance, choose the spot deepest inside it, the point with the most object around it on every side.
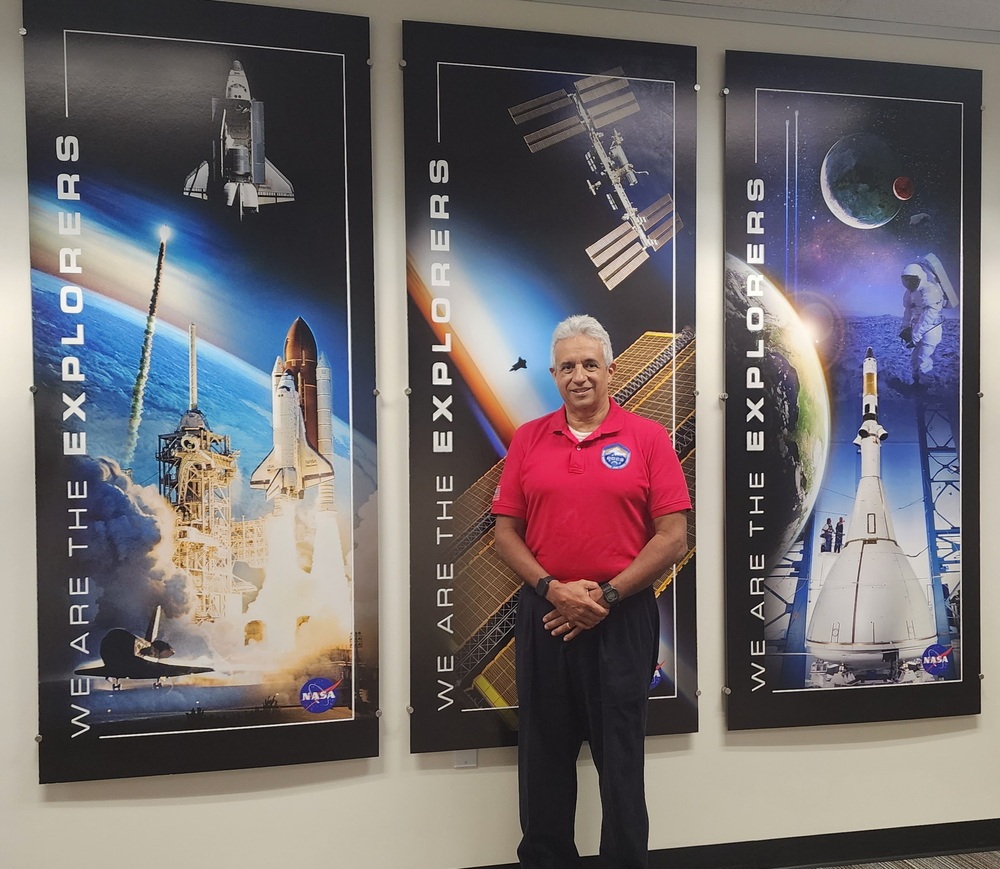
(542, 586)
(611, 596)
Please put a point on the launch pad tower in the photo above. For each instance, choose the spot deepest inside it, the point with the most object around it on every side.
(938, 431)
(196, 470)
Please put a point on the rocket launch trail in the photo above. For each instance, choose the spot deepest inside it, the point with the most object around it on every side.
(872, 611)
(139, 389)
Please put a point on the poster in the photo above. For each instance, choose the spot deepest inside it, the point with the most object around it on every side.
(546, 175)
(203, 358)
(852, 356)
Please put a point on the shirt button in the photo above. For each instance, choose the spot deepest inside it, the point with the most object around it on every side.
(578, 447)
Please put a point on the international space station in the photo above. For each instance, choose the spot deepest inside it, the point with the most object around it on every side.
(600, 101)
(127, 656)
(301, 404)
(239, 170)
(871, 616)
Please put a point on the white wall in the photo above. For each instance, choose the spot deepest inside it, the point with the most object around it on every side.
(402, 810)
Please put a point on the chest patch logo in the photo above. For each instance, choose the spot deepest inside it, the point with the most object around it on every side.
(615, 456)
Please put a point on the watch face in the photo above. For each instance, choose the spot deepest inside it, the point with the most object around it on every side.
(610, 593)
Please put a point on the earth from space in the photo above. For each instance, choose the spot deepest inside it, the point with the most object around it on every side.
(796, 407)
(234, 396)
(858, 177)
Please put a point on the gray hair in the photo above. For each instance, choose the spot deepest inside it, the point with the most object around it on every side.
(585, 326)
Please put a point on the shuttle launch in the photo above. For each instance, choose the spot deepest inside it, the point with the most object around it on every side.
(300, 390)
(871, 613)
(300, 361)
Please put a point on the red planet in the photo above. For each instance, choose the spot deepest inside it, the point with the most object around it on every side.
(903, 187)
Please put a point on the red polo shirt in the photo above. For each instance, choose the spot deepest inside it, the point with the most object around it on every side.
(589, 505)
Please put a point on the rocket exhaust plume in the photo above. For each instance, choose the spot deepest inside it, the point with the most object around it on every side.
(139, 389)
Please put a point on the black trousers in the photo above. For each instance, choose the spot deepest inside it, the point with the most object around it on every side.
(595, 687)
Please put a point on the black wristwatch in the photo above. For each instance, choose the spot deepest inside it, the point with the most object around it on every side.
(542, 586)
(611, 596)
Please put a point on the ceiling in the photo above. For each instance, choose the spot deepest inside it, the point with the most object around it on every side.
(968, 20)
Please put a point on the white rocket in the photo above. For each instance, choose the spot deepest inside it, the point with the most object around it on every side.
(871, 610)
(324, 425)
(292, 466)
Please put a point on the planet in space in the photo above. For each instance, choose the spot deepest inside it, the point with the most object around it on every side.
(902, 188)
(858, 179)
(235, 397)
(797, 407)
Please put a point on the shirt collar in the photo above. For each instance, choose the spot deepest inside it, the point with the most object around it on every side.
(611, 424)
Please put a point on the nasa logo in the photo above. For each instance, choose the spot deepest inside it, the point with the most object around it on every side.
(318, 695)
(935, 659)
(657, 677)
(615, 456)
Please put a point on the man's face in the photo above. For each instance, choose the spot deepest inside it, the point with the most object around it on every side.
(581, 375)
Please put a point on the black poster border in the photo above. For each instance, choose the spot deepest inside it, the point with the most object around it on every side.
(60, 756)
(424, 45)
(748, 709)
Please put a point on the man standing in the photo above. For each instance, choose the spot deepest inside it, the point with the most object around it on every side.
(590, 512)
(827, 535)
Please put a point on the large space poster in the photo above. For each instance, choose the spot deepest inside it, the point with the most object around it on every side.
(852, 354)
(546, 175)
(204, 367)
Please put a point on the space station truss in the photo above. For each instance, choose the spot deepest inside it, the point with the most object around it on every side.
(598, 102)
(622, 251)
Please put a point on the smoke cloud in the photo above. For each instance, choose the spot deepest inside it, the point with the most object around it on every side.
(129, 538)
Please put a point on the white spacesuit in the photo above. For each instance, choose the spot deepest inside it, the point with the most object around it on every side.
(923, 301)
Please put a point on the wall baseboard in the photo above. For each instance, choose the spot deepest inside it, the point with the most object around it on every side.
(863, 846)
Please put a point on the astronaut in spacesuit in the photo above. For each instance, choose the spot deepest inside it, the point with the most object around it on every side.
(923, 301)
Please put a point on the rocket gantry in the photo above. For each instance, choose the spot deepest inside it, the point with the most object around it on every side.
(871, 612)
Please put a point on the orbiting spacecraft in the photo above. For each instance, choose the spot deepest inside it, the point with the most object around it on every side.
(871, 612)
(300, 396)
(600, 101)
(238, 163)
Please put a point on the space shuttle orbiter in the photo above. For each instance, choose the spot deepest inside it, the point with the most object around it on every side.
(125, 655)
(293, 465)
(871, 612)
(238, 169)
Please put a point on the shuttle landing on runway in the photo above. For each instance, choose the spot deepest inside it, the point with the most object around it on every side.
(125, 655)
(871, 621)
